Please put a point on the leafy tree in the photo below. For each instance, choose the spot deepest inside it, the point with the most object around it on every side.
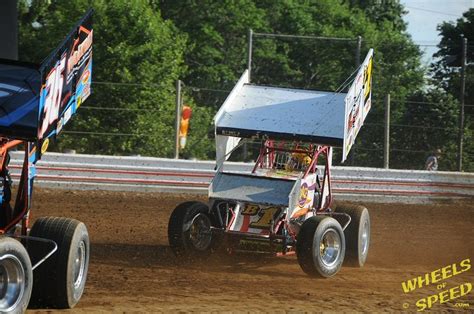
(305, 63)
(218, 56)
(136, 50)
(133, 44)
(382, 11)
(447, 69)
(446, 74)
(397, 67)
(217, 31)
(429, 123)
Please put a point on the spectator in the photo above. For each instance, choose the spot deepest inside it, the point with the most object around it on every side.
(432, 160)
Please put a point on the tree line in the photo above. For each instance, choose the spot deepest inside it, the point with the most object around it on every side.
(142, 47)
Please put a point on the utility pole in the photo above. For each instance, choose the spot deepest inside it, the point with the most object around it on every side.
(249, 61)
(178, 118)
(461, 111)
(352, 156)
(249, 67)
(358, 49)
(386, 146)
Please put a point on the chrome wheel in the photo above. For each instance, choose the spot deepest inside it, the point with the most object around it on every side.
(79, 265)
(330, 247)
(12, 282)
(200, 232)
(365, 238)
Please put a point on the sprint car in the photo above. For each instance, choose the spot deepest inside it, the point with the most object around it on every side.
(46, 265)
(285, 204)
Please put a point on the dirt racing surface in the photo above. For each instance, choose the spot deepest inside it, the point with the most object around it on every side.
(133, 270)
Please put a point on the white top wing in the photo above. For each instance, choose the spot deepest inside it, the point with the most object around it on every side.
(320, 117)
(283, 113)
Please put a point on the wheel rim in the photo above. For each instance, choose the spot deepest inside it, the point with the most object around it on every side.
(12, 282)
(365, 237)
(330, 247)
(200, 232)
(79, 265)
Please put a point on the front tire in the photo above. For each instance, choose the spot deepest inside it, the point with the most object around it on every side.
(189, 230)
(320, 246)
(16, 276)
(59, 281)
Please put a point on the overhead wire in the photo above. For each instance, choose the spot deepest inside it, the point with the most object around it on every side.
(432, 11)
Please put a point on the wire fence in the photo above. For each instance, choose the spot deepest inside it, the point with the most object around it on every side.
(410, 145)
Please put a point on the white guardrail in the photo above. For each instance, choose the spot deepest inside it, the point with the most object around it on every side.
(147, 174)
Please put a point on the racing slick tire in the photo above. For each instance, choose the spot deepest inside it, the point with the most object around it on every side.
(357, 234)
(320, 246)
(60, 280)
(16, 276)
(189, 230)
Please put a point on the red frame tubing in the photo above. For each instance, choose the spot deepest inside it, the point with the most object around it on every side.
(20, 209)
(328, 173)
(268, 148)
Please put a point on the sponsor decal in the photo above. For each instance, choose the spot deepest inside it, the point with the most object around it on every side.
(53, 93)
(44, 146)
(80, 53)
(260, 217)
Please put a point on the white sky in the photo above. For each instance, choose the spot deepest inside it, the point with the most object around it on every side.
(424, 16)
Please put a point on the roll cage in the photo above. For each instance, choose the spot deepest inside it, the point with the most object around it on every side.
(277, 156)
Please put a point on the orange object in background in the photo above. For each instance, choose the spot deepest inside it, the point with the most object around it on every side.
(184, 125)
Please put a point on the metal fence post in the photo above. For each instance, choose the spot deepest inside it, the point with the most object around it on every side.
(249, 61)
(178, 118)
(352, 157)
(386, 144)
(358, 49)
(461, 110)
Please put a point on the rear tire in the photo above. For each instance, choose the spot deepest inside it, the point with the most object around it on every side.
(357, 234)
(59, 281)
(320, 246)
(189, 230)
(16, 276)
